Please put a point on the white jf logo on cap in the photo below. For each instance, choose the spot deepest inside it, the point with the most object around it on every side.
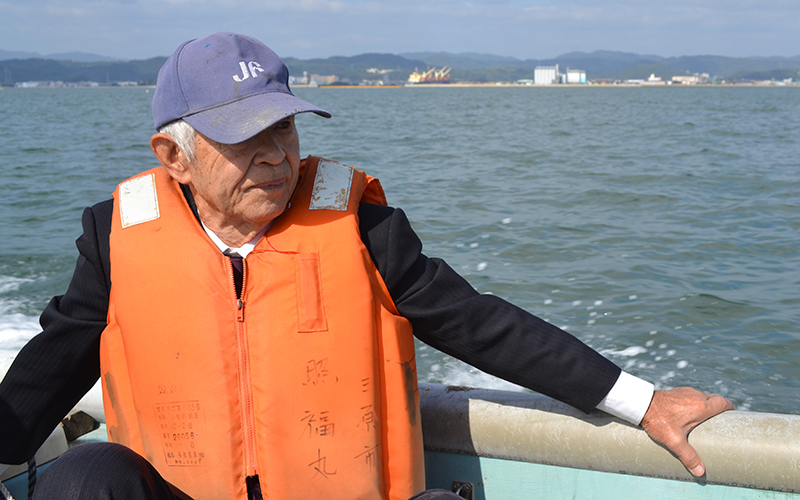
(249, 69)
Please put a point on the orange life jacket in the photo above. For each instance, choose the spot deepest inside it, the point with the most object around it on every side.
(309, 381)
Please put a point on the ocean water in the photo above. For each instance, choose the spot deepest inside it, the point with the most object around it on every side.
(659, 225)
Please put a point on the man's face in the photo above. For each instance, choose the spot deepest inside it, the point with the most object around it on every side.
(246, 185)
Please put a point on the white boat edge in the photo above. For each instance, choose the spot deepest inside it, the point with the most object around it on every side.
(477, 435)
(739, 449)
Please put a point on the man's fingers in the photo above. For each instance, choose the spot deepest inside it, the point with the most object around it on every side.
(718, 404)
(673, 414)
(689, 458)
(675, 439)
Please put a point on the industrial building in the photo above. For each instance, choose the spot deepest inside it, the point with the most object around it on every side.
(575, 76)
(549, 75)
(546, 75)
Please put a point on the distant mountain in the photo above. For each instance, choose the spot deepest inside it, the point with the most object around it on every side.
(354, 69)
(464, 60)
(63, 56)
(774, 74)
(362, 61)
(43, 70)
(80, 57)
(732, 67)
(10, 54)
(603, 63)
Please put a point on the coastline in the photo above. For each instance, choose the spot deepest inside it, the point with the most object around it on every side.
(774, 85)
(558, 86)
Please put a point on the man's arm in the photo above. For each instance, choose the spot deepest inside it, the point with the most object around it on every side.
(482, 330)
(491, 334)
(58, 366)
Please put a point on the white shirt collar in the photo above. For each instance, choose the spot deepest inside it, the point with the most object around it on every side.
(243, 250)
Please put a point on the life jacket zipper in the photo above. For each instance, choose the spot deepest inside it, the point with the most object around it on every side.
(245, 387)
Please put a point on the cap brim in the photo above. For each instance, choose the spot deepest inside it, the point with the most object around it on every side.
(240, 120)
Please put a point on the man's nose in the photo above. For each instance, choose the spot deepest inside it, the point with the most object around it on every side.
(269, 148)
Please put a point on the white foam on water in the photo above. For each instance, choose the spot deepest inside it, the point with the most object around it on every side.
(8, 286)
(668, 376)
(11, 283)
(461, 374)
(628, 352)
(450, 371)
(16, 329)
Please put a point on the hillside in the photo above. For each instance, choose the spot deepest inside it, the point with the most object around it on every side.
(49, 70)
(391, 68)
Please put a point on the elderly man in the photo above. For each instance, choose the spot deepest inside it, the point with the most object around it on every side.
(250, 314)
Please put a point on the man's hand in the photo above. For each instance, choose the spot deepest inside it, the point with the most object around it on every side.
(674, 413)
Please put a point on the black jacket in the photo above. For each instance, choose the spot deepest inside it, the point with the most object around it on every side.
(57, 367)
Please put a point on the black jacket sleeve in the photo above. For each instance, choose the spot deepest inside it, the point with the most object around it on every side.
(58, 366)
(482, 330)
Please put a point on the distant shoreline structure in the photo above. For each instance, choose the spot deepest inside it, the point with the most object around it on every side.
(553, 86)
(457, 85)
(433, 68)
(431, 76)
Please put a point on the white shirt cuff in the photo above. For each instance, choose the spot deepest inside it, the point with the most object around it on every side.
(629, 399)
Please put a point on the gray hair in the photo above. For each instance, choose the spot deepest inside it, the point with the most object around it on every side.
(184, 136)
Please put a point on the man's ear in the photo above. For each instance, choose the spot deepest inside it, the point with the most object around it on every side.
(171, 157)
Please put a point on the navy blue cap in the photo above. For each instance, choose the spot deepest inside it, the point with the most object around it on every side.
(228, 87)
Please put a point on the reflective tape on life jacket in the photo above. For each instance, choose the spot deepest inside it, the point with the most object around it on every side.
(308, 380)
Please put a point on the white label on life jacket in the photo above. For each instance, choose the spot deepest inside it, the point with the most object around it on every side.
(138, 201)
(331, 186)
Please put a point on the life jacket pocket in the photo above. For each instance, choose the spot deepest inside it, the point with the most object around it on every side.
(310, 304)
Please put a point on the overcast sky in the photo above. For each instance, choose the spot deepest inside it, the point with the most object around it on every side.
(536, 29)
